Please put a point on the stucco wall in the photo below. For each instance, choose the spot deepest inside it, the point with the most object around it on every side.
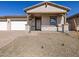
(45, 19)
(46, 23)
(48, 28)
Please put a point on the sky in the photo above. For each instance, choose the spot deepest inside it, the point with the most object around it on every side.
(11, 8)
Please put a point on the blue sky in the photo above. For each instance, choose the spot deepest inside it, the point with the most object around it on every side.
(9, 8)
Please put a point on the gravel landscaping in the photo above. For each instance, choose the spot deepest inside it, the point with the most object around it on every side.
(36, 44)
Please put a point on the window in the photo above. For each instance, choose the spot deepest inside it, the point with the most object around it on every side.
(53, 20)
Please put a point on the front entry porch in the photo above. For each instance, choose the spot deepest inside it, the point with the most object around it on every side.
(47, 22)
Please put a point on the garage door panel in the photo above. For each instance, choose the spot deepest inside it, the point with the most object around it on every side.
(3, 25)
(18, 25)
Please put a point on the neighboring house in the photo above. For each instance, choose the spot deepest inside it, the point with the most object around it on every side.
(73, 22)
(45, 16)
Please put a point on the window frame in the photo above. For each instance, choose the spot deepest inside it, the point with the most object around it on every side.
(55, 18)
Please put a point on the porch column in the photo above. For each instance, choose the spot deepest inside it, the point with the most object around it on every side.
(60, 22)
(28, 25)
(65, 25)
(8, 24)
(57, 25)
(64, 19)
(63, 22)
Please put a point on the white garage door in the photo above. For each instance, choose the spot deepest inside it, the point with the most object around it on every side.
(3, 25)
(18, 25)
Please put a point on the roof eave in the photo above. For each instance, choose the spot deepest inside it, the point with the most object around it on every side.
(65, 8)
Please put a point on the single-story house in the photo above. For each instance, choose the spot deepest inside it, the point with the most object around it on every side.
(45, 16)
(73, 22)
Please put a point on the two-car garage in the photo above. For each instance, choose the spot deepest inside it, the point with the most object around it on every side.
(16, 22)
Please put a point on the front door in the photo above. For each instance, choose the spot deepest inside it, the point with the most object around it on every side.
(38, 23)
